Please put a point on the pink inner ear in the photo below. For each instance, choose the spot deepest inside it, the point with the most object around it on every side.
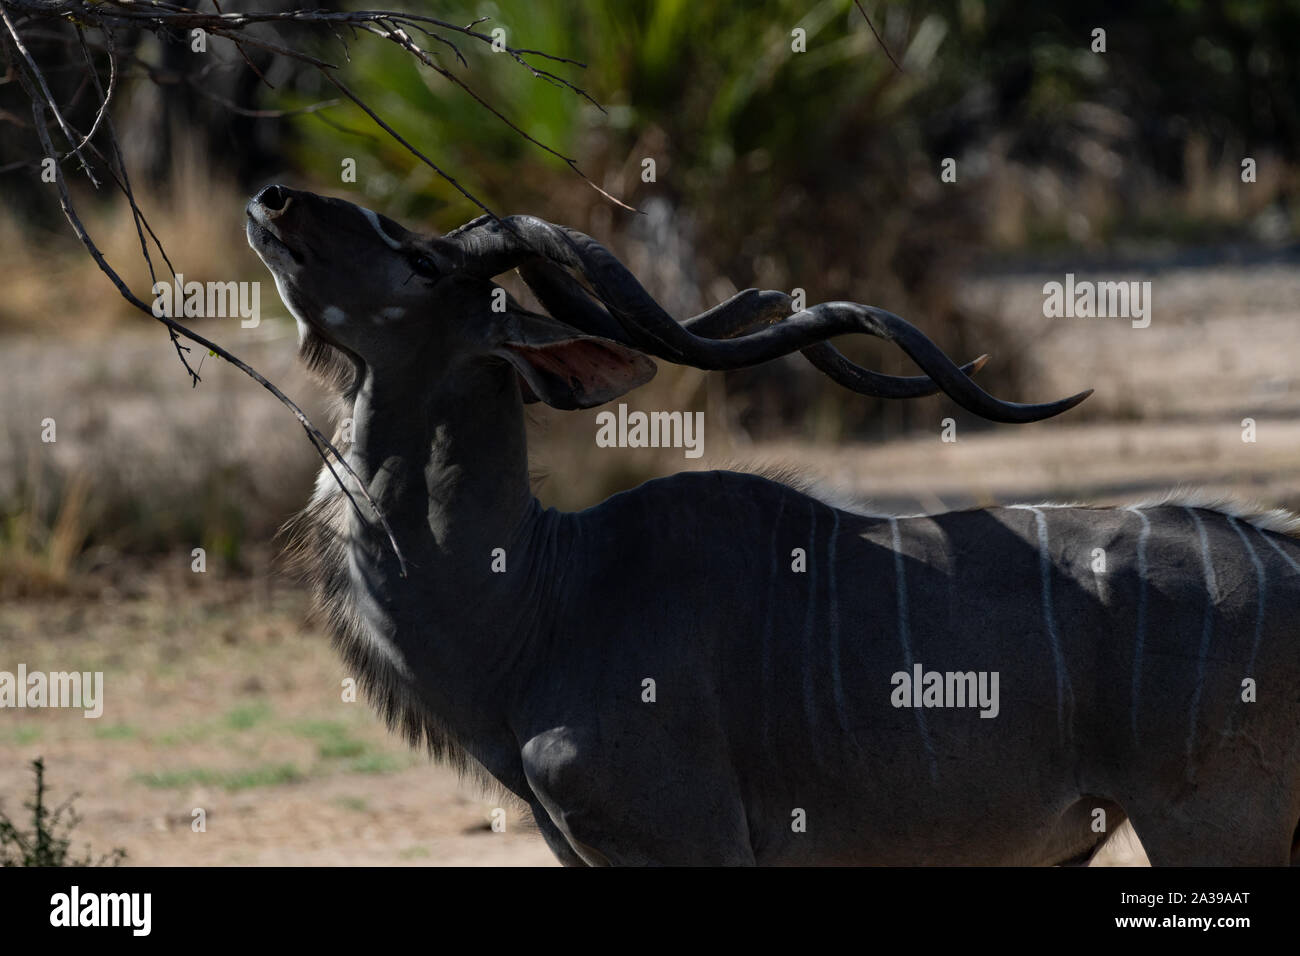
(576, 361)
(589, 370)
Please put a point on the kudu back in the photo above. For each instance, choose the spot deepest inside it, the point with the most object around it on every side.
(720, 668)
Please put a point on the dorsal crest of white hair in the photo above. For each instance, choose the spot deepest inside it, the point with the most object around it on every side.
(1279, 520)
(827, 492)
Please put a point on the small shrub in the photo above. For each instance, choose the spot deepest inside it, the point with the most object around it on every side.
(50, 838)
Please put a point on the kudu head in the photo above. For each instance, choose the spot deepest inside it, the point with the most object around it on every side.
(405, 305)
(395, 302)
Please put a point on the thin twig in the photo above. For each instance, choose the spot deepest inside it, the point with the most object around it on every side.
(251, 65)
(858, 4)
(106, 98)
(399, 36)
(342, 88)
(123, 183)
(39, 78)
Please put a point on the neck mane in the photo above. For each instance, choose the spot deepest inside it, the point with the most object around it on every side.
(434, 650)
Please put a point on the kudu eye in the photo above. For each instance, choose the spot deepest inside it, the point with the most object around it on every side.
(426, 266)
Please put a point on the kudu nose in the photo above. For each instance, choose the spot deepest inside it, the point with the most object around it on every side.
(275, 199)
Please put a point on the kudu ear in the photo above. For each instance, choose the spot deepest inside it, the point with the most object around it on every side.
(568, 370)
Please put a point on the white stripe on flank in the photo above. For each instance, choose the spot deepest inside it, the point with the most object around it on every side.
(904, 637)
(1207, 631)
(374, 221)
(1049, 621)
(1142, 613)
(1261, 590)
(1278, 548)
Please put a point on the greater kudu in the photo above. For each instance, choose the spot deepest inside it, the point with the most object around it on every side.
(774, 732)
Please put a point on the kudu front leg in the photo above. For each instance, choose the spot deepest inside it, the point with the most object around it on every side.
(634, 812)
(1235, 815)
(559, 844)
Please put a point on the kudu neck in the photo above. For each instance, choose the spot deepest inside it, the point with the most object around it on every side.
(448, 465)
(450, 473)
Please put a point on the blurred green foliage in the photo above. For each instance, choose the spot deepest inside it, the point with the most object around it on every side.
(737, 120)
(718, 82)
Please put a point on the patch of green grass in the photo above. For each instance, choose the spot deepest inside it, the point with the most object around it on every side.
(242, 718)
(353, 803)
(115, 732)
(24, 735)
(413, 852)
(341, 747)
(376, 763)
(319, 728)
(248, 716)
(270, 775)
(175, 779)
(192, 734)
(333, 740)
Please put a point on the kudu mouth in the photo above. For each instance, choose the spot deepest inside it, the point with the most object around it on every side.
(267, 229)
(265, 233)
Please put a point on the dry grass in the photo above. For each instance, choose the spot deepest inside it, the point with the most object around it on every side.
(53, 288)
(37, 558)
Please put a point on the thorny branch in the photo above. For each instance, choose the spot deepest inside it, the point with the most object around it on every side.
(161, 18)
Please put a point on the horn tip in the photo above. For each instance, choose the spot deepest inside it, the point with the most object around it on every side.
(1065, 404)
(1050, 410)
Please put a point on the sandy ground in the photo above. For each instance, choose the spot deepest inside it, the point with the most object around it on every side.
(220, 698)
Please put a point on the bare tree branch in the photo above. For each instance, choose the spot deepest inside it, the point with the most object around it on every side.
(39, 78)
(324, 447)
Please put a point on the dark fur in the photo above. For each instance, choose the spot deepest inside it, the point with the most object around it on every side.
(315, 553)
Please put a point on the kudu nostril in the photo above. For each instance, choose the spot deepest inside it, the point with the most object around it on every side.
(274, 198)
